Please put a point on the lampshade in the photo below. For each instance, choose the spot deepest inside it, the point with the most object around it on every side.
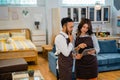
(97, 6)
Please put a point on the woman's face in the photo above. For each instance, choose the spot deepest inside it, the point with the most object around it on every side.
(84, 28)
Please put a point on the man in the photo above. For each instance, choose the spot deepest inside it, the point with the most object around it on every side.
(64, 46)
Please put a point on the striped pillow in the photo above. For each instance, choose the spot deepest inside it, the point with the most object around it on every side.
(18, 36)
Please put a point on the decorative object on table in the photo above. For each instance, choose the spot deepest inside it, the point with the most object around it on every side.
(31, 73)
(102, 34)
(97, 30)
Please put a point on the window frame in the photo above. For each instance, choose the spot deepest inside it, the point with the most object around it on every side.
(81, 4)
(18, 3)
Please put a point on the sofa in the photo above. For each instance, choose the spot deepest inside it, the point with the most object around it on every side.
(108, 57)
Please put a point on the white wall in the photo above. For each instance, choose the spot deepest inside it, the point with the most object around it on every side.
(44, 13)
(49, 5)
(115, 13)
(105, 26)
(23, 21)
(56, 4)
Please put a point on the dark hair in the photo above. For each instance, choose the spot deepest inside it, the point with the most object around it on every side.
(66, 20)
(85, 21)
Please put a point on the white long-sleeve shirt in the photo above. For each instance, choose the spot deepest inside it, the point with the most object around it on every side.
(95, 43)
(61, 44)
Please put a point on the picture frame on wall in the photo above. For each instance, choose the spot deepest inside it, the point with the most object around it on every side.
(118, 22)
(4, 13)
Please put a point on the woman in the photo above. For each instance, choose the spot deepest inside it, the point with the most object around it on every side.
(86, 65)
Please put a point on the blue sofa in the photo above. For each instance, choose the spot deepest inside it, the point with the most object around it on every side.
(108, 57)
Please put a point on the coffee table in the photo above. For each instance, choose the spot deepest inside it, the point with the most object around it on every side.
(23, 75)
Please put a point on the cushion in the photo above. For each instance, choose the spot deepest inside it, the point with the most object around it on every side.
(108, 46)
(9, 40)
(102, 60)
(4, 36)
(112, 57)
(18, 36)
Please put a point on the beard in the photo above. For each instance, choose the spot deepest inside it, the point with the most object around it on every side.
(67, 31)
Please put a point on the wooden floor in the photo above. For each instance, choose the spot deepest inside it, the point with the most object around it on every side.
(44, 69)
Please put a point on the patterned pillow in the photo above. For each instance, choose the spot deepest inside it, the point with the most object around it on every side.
(4, 36)
(18, 36)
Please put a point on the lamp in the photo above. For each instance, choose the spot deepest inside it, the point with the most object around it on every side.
(37, 24)
(97, 5)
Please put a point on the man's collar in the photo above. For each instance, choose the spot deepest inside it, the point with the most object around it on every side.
(63, 33)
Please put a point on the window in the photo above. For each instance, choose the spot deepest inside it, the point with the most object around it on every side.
(81, 2)
(75, 14)
(89, 12)
(98, 15)
(18, 2)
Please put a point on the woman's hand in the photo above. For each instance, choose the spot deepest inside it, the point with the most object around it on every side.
(91, 52)
(82, 45)
(78, 56)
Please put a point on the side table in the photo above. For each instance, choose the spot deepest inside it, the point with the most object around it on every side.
(46, 49)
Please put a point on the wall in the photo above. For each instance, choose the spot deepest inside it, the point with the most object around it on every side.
(57, 4)
(115, 13)
(105, 26)
(44, 14)
(49, 5)
(17, 19)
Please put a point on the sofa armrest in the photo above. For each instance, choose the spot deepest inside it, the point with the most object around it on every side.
(52, 61)
(118, 49)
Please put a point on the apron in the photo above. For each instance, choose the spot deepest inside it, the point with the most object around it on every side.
(65, 65)
(87, 66)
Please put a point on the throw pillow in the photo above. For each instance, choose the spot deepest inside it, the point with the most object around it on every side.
(18, 36)
(4, 36)
(108, 46)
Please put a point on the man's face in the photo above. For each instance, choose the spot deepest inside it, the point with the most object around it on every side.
(69, 27)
